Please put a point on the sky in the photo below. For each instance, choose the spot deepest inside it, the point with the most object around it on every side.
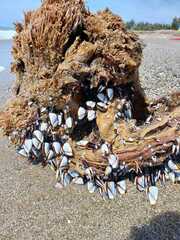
(161, 11)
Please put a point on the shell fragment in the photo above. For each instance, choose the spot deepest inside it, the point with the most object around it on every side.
(28, 145)
(91, 115)
(108, 170)
(113, 161)
(57, 147)
(23, 153)
(91, 104)
(82, 143)
(141, 183)
(102, 106)
(50, 155)
(60, 119)
(172, 165)
(69, 122)
(153, 194)
(39, 135)
(36, 143)
(46, 148)
(78, 181)
(121, 187)
(64, 162)
(110, 93)
(43, 126)
(53, 119)
(67, 150)
(81, 113)
(102, 97)
(91, 186)
(104, 149)
(111, 191)
(67, 179)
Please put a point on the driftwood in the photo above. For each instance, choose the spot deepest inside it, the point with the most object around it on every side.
(63, 55)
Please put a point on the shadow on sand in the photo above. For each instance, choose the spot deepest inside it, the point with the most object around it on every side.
(162, 227)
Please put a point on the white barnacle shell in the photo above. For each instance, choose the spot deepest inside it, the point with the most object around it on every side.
(110, 93)
(81, 113)
(102, 106)
(82, 143)
(78, 180)
(43, 109)
(102, 97)
(105, 149)
(64, 161)
(52, 164)
(91, 115)
(46, 148)
(50, 155)
(173, 149)
(43, 126)
(101, 88)
(28, 145)
(89, 172)
(53, 119)
(91, 186)
(22, 152)
(172, 176)
(66, 180)
(69, 122)
(30, 103)
(177, 149)
(172, 165)
(91, 104)
(148, 120)
(108, 170)
(113, 161)
(141, 183)
(57, 174)
(57, 147)
(73, 173)
(39, 135)
(121, 186)
(35, 152)
(111, 190)
(67, 149)
(60, 118)
(36, 143)
(153, 194)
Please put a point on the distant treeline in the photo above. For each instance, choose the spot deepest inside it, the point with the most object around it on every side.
(6, 28)
(145, 26)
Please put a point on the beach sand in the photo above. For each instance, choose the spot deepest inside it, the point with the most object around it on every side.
(31, 208)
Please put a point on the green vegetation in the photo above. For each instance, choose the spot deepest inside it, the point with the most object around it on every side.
(6, 28)
(176, 23)
(145, 26)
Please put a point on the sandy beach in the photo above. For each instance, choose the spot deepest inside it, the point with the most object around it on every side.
(32, 209)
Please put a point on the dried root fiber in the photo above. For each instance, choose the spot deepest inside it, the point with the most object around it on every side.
(78, 105)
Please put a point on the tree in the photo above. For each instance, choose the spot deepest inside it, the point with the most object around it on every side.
(130, 24)
(175, 23)
(146, 26)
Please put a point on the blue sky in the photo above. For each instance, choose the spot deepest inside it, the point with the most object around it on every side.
(141, 10)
